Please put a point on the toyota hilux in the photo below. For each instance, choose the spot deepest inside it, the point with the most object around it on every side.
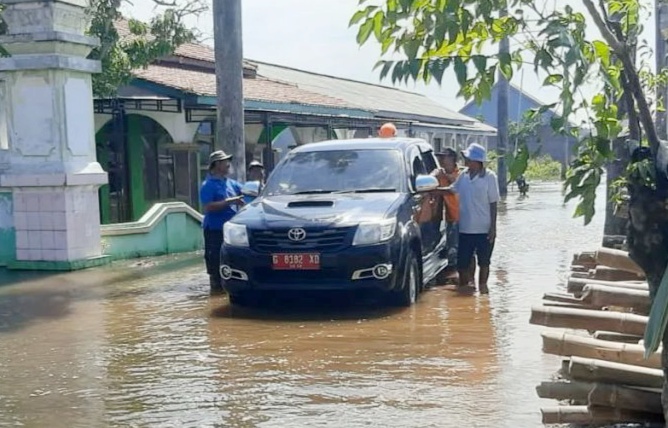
(340, 215)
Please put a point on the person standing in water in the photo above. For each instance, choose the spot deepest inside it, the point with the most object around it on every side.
(478, 192)
(220, 197)
(447, 175)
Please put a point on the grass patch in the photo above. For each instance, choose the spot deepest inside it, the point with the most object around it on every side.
(541, 168)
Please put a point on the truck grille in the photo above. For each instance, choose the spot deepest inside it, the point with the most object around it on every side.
(321, 240)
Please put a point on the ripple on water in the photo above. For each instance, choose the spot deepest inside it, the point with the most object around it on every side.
(159, 352)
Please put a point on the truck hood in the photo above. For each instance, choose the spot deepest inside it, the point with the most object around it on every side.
(318, 210)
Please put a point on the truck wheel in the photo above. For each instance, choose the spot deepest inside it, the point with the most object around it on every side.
(408, 294)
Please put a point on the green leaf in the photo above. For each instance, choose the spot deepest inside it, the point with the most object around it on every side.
(480, 62)
(553, 79)
(385, 45)
(437, 69)
(411, 48)
(387, 66)
(460, 71)
(359, 15)
(378, 26)
(658, 318)
(557, 123)
(365, 31)
(505, 65)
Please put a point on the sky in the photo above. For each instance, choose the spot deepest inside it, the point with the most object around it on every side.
(314, 35)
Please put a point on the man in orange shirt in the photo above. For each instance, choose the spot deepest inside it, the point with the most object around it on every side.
(447, 175)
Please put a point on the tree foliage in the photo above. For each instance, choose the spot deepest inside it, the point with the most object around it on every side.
(421, 39)
(519, 135)
(120, 54)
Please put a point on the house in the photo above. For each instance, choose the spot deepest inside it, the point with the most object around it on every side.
(546, 141)
(155, 136)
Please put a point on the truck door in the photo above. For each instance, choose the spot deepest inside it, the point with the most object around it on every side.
(426, 206)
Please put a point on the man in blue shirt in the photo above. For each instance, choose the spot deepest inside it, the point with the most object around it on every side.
(220, 197)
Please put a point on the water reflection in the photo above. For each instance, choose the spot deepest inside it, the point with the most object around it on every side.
(159, 351)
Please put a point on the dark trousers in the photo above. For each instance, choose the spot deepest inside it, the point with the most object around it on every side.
(474, 244)
(213, 240)
(452, 230)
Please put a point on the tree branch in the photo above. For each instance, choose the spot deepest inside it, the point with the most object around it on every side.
(610, 38)
(644, 112)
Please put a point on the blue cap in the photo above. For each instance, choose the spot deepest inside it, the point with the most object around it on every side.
(475, 152)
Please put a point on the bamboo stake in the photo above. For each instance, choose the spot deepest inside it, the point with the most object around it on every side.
(561, 297)
(569, 306)
(606, 273)
(586, 258)
(598, 295)
(620, 397)
(617, 259)
(570, 345)
(589, 319)
(594, 415)
(575, 391)
(617, 337)
(593, 370)
(576, 285)
(582, 275)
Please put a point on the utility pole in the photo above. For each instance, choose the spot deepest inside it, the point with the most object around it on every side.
(502, 118)
(229, 83)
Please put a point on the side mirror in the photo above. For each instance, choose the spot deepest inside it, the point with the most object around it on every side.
(426, 183)
(251, 188)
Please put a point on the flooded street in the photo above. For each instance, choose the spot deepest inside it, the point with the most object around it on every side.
(159, 352)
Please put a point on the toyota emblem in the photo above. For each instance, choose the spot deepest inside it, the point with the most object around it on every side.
(296, 234)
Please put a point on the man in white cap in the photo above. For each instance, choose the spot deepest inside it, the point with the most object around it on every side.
(255, 173)
(478, 192)
(220, 197)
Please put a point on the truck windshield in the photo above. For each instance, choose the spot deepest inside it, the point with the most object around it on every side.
(338, 171)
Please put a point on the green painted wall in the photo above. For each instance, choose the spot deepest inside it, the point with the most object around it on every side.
(7, 230)
(276, 128)
(136, 167)
(176, 233)
(103, 159)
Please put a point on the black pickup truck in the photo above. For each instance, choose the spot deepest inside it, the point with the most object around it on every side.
(340, 215)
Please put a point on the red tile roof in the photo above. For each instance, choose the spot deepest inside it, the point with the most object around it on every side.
(198, 52)
(258, 89)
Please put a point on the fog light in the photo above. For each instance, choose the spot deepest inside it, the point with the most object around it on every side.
(225, 272)
(382, 271)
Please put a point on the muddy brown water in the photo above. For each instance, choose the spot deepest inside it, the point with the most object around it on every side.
(159, 352)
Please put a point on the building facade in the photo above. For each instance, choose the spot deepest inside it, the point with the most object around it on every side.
(155, 137)
(545, 140)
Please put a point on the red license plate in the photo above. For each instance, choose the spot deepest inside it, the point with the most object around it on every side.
(294, 261)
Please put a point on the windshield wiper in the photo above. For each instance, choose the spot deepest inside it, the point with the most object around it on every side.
(313, 192)
(370, 190)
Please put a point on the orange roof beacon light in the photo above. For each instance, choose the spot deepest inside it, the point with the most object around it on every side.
(388, 130)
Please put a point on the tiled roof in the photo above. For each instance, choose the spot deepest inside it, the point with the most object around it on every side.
(194, 51)
(258, 89)
(281, 84)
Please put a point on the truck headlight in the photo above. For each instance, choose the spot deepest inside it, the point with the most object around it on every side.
(375, 233)
(235, 235)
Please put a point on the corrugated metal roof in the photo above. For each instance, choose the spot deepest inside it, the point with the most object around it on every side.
(389, 102)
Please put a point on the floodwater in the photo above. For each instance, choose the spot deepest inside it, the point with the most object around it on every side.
(159, 352)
